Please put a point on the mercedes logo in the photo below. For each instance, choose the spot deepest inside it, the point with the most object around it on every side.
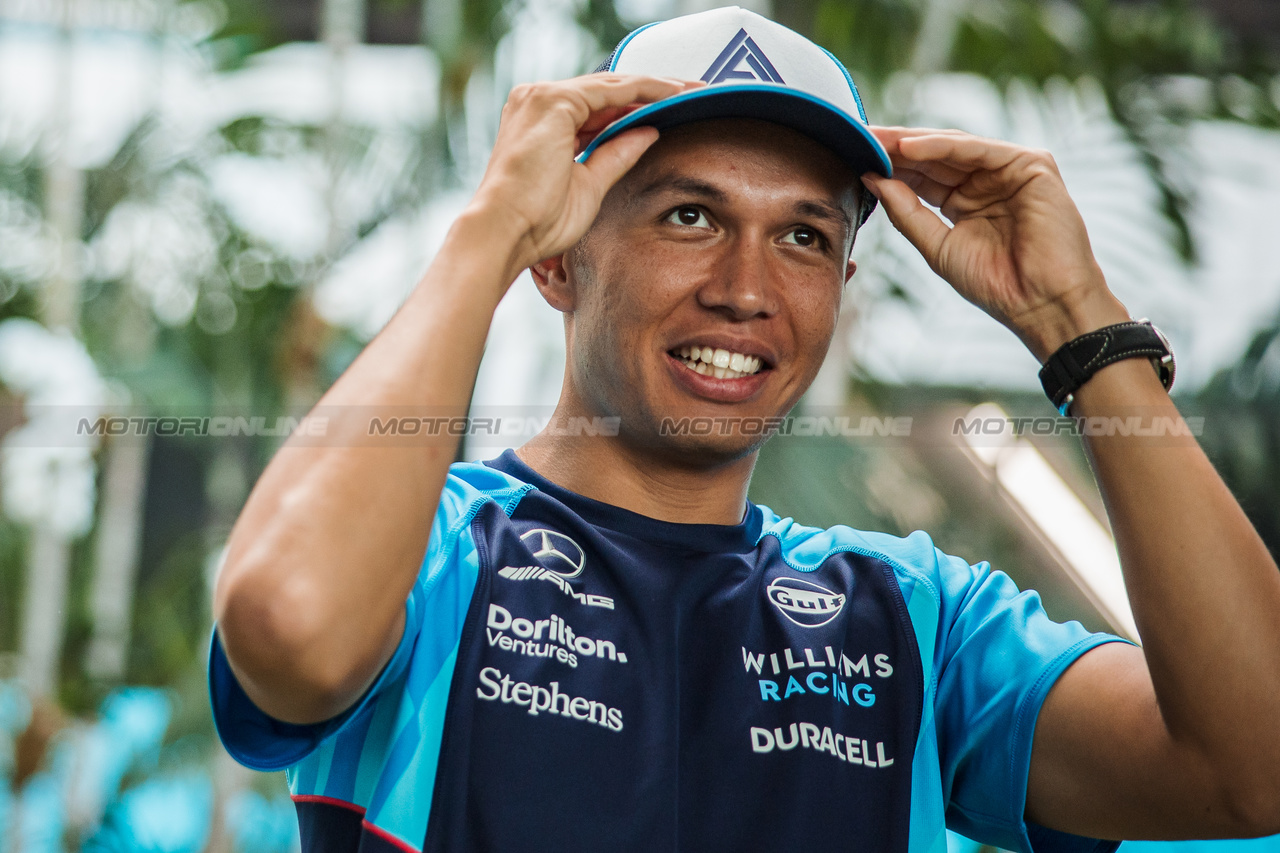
(557, 552)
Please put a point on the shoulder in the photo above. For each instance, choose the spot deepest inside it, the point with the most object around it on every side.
(468, 487)
(469, 483)
(915, 560)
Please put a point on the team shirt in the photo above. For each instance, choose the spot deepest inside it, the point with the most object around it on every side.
(576, 676)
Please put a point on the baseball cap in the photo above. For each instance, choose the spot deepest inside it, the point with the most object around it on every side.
(755, 68)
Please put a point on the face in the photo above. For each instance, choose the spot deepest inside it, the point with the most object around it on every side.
(708, 287)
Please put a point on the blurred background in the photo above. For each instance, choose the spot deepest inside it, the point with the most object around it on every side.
(208, 207)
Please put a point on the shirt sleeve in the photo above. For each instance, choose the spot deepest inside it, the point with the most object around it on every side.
(259, 741)
(998, 656)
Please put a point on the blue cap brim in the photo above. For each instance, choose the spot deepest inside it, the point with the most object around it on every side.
(848, 138)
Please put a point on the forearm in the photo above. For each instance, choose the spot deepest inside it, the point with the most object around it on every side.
(1180, 739)
(310, 600)
(1205, 593)
(1205, 596)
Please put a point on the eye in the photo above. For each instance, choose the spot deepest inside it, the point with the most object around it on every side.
(804, 236)
(690, 216)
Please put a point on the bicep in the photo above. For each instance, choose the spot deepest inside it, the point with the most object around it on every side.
(1104, 765)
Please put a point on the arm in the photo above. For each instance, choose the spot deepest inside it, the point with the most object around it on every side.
(310, 600)
(1180, 738)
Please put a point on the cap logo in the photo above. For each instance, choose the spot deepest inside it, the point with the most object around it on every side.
(742, 49)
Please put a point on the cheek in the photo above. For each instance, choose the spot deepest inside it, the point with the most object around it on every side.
(627, 305)
(816, 321)
(602, 346)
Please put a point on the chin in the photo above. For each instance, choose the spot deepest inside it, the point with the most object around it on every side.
(694, 442)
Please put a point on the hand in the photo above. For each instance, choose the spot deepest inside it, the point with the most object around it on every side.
(532, 179)
(1017, 246)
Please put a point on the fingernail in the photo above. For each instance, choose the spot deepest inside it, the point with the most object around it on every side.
(872, 183)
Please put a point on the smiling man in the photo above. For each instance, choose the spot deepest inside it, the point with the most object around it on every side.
(598, 643)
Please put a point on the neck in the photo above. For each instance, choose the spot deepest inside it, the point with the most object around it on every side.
(609, 470)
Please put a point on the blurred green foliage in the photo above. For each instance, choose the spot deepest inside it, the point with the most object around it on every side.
(1161, 63)
(1241, 407)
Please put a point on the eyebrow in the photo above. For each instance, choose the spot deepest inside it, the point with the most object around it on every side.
(822, 210)
(701, 189)
(681, 184)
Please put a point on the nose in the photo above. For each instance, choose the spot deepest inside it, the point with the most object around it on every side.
(741, 286)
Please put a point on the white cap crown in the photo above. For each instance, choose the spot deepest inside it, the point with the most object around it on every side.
(735, 46)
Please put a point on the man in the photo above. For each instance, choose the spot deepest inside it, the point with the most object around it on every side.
(607, 646)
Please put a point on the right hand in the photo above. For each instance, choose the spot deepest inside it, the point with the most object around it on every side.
(532, 179)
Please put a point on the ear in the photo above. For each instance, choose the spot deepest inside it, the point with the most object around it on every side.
(850, 269)
(553, 284)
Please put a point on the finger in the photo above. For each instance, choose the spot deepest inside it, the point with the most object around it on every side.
(601, 119)
(893, 137)
(943, 173)
(890, 137)
(603, 91)
(934, 192)
(611, 160)
(962, 152)
(597, 122)
(920, 225)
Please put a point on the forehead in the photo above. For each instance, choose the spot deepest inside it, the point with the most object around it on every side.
(750, 154)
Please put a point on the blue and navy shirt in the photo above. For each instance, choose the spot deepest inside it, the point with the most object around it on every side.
(575, 676)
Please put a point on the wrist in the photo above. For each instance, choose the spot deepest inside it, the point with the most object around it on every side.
(1073, 366)
(500, 236)
(1060, 322)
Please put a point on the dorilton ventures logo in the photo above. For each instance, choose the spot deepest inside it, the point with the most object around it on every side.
(546, 638)
(556, 551)
(805, 603)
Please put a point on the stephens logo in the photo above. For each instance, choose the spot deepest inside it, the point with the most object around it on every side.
(804, 602)
(558, 552)
(536, 699)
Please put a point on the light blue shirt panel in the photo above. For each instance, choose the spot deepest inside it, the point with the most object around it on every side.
(995, 654)
(261, 742)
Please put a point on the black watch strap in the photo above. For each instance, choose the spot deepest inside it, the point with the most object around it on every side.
(1078, 360)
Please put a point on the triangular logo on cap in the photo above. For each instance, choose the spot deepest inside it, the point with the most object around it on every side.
(741, 50)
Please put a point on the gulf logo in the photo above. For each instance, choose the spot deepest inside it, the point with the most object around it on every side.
(805, 603)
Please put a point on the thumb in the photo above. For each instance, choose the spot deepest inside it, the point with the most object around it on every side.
(920, 225)
(608, 163)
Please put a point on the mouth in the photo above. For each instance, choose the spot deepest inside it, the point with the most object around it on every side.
(718, 363)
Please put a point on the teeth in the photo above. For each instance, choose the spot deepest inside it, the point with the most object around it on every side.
(720, 363)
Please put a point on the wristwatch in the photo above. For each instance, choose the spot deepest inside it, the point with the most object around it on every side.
(1077, 360)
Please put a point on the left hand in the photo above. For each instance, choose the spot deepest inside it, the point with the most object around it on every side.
(1017, 246)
